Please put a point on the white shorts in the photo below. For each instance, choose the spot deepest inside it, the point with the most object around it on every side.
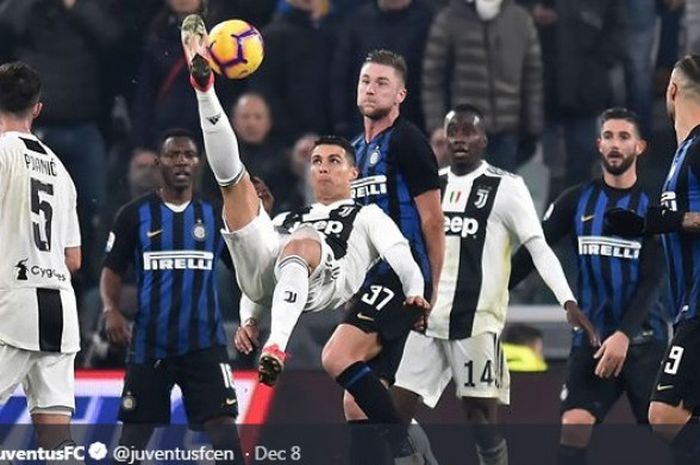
(477, 365)
(48, 378)
(255, 249)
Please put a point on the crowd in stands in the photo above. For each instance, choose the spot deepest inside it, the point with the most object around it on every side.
(114, 79)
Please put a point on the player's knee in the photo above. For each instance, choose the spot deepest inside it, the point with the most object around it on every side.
(351, 409)
(577, 427)
(333, 360)
(666, 420)
(480, 411)
(308, 249)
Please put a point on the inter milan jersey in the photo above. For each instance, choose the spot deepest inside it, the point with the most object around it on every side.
(619, 279)
(174, 255)
(396, 166)
(681, 192)
(38, 221)
(487, 213)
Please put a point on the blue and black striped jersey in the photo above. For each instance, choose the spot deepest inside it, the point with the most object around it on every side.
(619, 279)
(174, 255)
(396, 166)
(681, 192)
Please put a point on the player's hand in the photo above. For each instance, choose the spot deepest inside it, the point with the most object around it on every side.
(264, 193)
(117, 328)
(623, 222)
(579, 321)
(611, 355)
(247, 336)
(418, 302)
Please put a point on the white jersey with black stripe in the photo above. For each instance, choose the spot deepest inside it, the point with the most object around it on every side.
(487, 214)
(38, 222)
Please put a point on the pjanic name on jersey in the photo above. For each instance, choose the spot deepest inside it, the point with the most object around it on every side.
(40, 165)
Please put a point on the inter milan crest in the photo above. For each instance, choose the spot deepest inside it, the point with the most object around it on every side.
(199, 232)
(374, 157)
(482, 196)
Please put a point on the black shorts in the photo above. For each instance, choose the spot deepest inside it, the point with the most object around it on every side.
(584, 390)
(679, 376)
(378, 308)
(204, 378)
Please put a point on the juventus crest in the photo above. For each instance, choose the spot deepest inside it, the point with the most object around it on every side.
(482, 196)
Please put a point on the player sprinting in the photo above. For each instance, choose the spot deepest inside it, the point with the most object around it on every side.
(675, 401)
(323, 259)
(39, 334)
(487, 212)
(618, 289)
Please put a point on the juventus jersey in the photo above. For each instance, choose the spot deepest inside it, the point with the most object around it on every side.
(38, 222)
(487, 213)
(356, 235)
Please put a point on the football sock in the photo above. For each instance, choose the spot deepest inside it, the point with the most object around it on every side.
(366, 444)
(495, 455)
(421, 443)
(289, 298)
(570, 455)
(220, 141)
(374, 399)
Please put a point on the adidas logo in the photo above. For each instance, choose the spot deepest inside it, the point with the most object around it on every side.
(214, 119)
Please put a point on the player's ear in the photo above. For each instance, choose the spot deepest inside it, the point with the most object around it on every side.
(37, 109)
(597, 143)
(642, 147)
(353, 173)
(401, 96)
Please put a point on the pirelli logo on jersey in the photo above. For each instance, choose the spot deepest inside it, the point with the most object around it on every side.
(178, 260)
(369, 186)
(457, 225)
(609, 247)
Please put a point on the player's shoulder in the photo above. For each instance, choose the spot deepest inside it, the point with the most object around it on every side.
(132, 207)
(371, 210)
(507, 176)
(405, 132)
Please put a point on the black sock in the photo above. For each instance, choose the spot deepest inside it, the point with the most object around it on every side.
(686, 444)
(366, 444)
(570, 455)
(374, 399)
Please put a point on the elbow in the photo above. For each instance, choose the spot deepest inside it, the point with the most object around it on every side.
(73, 264)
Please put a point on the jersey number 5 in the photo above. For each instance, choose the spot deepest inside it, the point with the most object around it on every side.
(42, 229)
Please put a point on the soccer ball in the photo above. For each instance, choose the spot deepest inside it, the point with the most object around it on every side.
(235, 49)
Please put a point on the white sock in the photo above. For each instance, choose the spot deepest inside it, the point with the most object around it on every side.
(289, 299)
(220, 141)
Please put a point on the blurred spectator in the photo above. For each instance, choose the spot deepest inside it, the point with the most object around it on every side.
(301, 161)
(397, 25)
(671, 14)
(692, 26)
(581, 42)
(523, 346)
(164, 97)
(65, 41)
(486, 53)
(438, 142)
(293, 76)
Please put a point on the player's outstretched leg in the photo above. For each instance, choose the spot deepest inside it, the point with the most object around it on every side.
(241, 203)
(301, 255)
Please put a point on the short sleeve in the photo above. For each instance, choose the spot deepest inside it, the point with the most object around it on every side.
(693, 157)
(122, 240)
(521, 217)
(73, 227)
(416, 159)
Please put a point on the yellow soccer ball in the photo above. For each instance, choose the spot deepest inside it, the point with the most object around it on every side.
(235, 49)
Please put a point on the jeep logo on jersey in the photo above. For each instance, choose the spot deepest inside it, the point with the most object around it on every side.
(461, 226)
(609, 247)
(178, 260)
(326, 227)
(369, 186)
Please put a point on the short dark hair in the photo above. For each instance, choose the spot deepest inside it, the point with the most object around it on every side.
(468, 108)
(620, 113)
(20, 88)
(689, 65)
(389, 58)
(177, 132)
(520, 334)
(339, 142)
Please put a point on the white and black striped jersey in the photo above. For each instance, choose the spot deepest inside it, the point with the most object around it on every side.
(488, 212)
(357, 235)
(38, 222)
